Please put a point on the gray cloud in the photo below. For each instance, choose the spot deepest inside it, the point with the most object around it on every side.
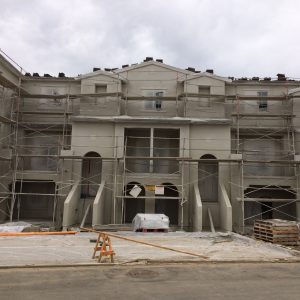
(236, 38)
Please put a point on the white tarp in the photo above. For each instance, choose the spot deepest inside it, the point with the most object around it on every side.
(14, 226)
(150, 221)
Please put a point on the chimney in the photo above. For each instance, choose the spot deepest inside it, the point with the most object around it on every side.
(96, 69)
(160, 60)
(281, 77)
(255, 78)
(148, 58)
(35, 75)
(191, 69)
(267, 78)
(47, 75)
(27, 74)
(211, 71)
(107, 69)
(61, 75)
(125, 66)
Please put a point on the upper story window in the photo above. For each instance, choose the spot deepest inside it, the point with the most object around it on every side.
(153, 104)
(100, 88)
(152, 142)
(204, 96)
(262, 102)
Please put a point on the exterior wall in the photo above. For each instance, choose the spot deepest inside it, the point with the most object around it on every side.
(104, 105)
(213, 140)
(99, 138)
(148, 78)
(210, 106)
(6, 104)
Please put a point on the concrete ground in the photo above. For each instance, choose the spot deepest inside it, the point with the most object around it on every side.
(77, 249)
(188, 281)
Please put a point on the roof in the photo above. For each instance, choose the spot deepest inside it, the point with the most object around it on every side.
(154, 63)
(99, 72)
(206, 74)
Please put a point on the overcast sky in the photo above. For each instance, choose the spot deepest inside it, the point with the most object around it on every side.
(233, 37)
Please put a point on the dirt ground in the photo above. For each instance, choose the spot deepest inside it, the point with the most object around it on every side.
(78, 249)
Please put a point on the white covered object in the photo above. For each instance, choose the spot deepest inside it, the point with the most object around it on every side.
(14, 226)
(150, 221)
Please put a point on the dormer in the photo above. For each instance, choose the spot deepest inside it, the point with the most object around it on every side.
(205, 82)
(100, 82)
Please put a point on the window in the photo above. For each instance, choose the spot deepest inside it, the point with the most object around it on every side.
(152, 142)
(101, 100)
(153, 104)
(262, 102)
(204, 96)
(100, 88)
(208, 178)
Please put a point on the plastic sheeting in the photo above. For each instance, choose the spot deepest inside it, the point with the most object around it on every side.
(150, 221)
(14, 226)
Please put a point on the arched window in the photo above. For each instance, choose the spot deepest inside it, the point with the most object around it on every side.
(208, 178)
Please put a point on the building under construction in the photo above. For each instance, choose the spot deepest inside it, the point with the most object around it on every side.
(148, 138)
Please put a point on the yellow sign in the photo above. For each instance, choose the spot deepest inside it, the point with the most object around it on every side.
(150, 187)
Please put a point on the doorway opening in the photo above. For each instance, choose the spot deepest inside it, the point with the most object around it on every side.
(168, 205)
(91, 174)
(135, 203)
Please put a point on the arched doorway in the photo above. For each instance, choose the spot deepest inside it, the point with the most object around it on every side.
(133, 205)
(91, 174)
(208, 178)
(168, 206)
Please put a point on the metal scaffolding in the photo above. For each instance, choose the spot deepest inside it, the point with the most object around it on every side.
(55, 124)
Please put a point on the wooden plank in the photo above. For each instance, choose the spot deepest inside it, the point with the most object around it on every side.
(212, 227)
(85, 215)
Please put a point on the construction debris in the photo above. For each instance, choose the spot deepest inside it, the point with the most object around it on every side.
(277, 231)
(15, 227)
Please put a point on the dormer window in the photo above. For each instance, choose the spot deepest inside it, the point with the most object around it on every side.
(100, 88)
(152, 103)
(204, 96)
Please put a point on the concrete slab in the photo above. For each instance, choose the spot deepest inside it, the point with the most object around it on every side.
(77, 249)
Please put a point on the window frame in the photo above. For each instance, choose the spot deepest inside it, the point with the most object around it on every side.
(153, 104)
(262, 102)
